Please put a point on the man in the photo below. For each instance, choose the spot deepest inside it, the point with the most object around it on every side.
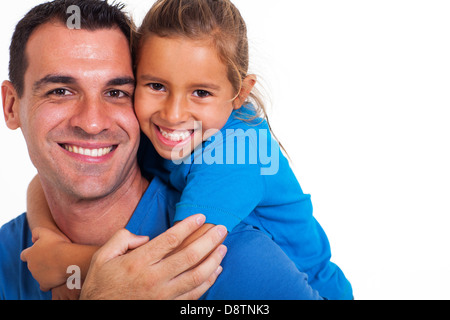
(71, 94)
(90, 198)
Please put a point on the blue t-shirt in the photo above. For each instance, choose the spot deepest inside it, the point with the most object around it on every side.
(254, 268)
(241, 175)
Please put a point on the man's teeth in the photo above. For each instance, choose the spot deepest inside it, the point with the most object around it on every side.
(176, 136)
(88, 152)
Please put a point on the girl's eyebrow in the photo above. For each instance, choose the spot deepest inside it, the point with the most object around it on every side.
(148, 77)
(205, 85)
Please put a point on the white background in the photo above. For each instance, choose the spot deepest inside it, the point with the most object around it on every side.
(359, 95)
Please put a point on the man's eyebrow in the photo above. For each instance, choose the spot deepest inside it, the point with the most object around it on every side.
(51, 78)
(61, 79)
(121, 81)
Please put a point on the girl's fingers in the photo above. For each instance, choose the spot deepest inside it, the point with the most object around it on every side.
(118, 245)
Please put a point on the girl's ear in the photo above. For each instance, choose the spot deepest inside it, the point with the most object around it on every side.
(247, 86)
(10, 102)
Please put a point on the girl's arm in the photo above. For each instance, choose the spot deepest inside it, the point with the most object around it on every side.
(38, 212)
(52, 251)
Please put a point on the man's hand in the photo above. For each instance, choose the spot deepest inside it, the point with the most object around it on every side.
(150, 270)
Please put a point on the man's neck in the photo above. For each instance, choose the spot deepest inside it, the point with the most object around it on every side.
(93, 222)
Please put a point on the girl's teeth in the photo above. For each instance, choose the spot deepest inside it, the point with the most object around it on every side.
(175, 136)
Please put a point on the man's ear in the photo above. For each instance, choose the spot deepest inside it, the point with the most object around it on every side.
(10, 102)
(247, 86)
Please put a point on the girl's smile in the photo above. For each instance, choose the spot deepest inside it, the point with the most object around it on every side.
(173, 138)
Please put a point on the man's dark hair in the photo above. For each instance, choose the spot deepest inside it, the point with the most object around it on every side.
(94, 15)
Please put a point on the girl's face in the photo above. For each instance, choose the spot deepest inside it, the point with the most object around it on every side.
(183, 94)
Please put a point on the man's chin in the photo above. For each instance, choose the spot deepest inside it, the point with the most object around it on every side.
(89, 190)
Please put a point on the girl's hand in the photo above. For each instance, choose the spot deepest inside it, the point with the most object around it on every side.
(64, 293)
(42, 258)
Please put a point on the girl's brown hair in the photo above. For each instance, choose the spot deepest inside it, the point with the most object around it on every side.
(217, 20)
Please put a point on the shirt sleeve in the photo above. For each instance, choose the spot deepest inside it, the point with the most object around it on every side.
(227, 189)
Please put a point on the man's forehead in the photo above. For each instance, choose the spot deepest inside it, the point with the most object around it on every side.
(55, 40)
(55, 49)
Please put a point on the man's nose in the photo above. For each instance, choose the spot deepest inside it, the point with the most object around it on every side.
(91, 115)
(175, 110)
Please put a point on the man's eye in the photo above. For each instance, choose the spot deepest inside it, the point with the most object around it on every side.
(116, 94)
(157, 86)
(60, 92)
(201, 93)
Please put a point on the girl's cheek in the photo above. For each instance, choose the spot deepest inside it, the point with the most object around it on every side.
(142, 113)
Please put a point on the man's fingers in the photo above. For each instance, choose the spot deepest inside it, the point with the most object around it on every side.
(168, 241)
(198, 292)
(197, 251)
(203, 276)
(119, 244)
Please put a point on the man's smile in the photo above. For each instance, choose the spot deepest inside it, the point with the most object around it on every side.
(95, 152)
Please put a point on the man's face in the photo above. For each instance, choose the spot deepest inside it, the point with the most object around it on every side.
(76, 112)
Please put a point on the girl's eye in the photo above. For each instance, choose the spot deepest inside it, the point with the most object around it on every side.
(156, 86)
(201, 93)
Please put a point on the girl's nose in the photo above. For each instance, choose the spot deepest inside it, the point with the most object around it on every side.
(175, 110)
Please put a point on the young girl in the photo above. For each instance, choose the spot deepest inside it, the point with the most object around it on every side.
(207, 135)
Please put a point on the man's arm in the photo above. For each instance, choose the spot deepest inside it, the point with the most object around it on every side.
(126, 268)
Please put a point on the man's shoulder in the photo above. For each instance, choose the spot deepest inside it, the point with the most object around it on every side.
(16, 282)
(12, 235)
(256, 268)
(13, 239)
(14, 228)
